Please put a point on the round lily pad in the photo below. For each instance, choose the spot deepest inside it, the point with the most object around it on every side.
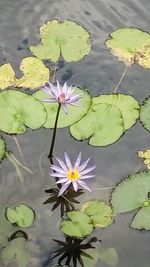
(107, 119)
(66, 38)
(78, 224)
(19, 110)
(7, 76)
(141, 220)
(131, 193)
(2, 148)
(74, 113)
(22, 215)
(99, 212)
(131, 46)
(35, 72)
(145, 114)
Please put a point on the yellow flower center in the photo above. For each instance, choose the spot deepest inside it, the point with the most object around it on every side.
(73, 175)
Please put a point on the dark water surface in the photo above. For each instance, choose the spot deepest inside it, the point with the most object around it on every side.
(99, 72)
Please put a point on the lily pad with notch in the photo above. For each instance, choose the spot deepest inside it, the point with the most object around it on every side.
(77, 224)
(22, 215)
(67, 39)
(20, 110)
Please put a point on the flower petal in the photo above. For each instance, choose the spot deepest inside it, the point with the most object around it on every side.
(64, 187)
(75, 186)
(84, 186)
(87, 170)
(58, 169)
(86, 176)
(68, 161)
(55, 174)
(62, 164)
(64, 107)
(78, 160)
(62, 181)
(83, 166)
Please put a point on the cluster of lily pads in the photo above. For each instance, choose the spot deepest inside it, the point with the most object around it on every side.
(102, 120)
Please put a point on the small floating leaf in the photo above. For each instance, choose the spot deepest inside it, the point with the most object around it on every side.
(92, 260)
(107, 119)
(145, 114)
(16, 250)
(5, 227)
(74, 113)
(2, 148)
(109, 256)
(18, 110)
(78, 224)
(67, 38)
(131, 193)
(99, 212)
(131, 46)
(21, 215)
(35, 72)
(141, 220)
(145, 155)
(7, 76)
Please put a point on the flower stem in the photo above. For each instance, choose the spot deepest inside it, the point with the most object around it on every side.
(50, 156)
(121, 79)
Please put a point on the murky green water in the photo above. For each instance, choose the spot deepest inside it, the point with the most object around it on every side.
(99, 72)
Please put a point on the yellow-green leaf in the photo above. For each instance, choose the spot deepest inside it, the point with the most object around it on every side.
(7, 76)
(145, 155)
(35, 73)
(131, 46)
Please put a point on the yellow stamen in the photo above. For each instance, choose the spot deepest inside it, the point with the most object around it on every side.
(73, 175)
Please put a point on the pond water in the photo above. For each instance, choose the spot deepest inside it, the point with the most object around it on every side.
(99, 72)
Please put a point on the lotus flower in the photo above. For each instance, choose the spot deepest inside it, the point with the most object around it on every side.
(61, 94)
(72, 174)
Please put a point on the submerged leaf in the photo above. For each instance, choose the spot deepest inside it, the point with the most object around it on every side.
(131, 193)
(109, 256)
(19, 110)
(5, 227)
(90, 262)
(7, 76)
(67, 38)
(141, 220)
(21, 215)
(107, 119)
(145, 114)
(74, 113)
(99, 212)
(78, 224)
(16, 250)
(35, 72)
(131, 46)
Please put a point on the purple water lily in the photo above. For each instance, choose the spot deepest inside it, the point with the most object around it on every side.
(64, 95)
(72, 174)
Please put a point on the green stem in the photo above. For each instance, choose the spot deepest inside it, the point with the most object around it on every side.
(50, 156)
(121, 79)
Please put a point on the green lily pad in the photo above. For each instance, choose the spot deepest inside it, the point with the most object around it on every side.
(145, 114)
(21, 215)
(99, 212)
(131, 46)
(7, 76)
(141, 220)
(16, 250)
(128, 106)
(2, 148)
(35, 72)
(109, 256)
(66, 38)
(131, 193)
(107, 119)
(20, 110)
(74, 113)
(78, 224)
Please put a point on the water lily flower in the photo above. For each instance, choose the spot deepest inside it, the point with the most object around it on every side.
(64, 95)
(72, 174)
